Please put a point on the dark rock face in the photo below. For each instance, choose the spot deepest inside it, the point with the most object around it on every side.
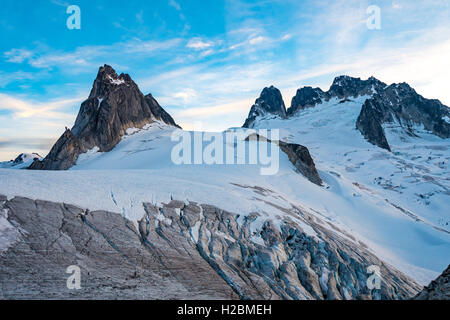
(306, 97)
(369, 124)
(343, 87)
(302, 160)
(438, 289)
(63, 155)
(269, 102)
(115, 104)
(298, 155)
(196, 251)
(159, 112)
(399, 103)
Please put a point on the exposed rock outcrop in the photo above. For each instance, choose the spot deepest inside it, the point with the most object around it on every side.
(115, 104)
(438, 289)
(306, 97)
(370, 125)
(298, 155)
(270, 102)
(159, 112)
(63, 155)
(346, 87)
(343, 87)
(400, 104)
(185, 251)
(397, 103)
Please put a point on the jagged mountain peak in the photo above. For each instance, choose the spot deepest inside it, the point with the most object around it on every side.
(345, 80)
(343, 87)
(346, 86)
(114, 105)
(270, 102)
(400, 104)
(306, 97)
(397, 104)
(272, 99)
(107, 79)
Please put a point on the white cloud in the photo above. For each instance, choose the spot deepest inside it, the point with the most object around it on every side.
(198, 44)
(256, 40)
(18, 55)
(32, 126)
(206, 53)
(213, 117)
(88, 58)
(423, 64)
(145, 47)
(27, 109)
(186, 95)
(6, 78)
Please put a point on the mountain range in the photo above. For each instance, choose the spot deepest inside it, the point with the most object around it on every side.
(363, 181)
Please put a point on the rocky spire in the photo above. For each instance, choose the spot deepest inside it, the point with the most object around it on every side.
(114, 105)
(270, 102)
(306, 97)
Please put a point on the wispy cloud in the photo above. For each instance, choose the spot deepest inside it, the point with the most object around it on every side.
(17, 76)
(186, 95)
(228, 113)
(27, 143)
(61, 3)
(18, 55)
(198, 44)
(175, 5)
(87, 58)
(27, 109)
(30, 126)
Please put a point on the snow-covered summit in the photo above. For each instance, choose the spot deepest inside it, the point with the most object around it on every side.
(22, 161)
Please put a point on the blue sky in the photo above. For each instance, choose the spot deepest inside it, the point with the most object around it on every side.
(205, 61)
